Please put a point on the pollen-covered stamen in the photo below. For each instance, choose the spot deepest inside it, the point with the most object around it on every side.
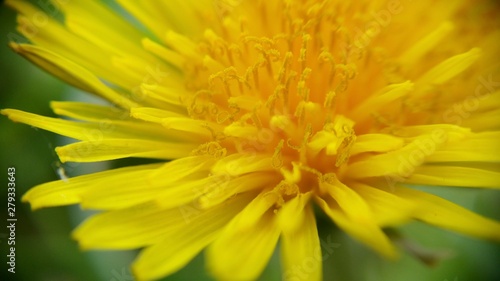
(269, 92)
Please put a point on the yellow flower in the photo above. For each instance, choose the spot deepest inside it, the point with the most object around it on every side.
(256, 110)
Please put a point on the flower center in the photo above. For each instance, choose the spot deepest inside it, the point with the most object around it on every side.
(277, 89)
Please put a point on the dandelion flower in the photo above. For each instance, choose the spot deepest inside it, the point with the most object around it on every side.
(258, 110)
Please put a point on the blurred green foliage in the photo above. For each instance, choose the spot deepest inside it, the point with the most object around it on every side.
(45, 251)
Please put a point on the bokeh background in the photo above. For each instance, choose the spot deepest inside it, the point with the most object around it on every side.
(45, 250)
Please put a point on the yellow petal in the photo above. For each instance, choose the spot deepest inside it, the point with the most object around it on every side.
(159, 16)
(226, 187)
(139, 12)
(133, 227)
(239, 131)
(456, 176)
(184, 243)
(187, 191)
(183, 45)
(301, 249)
(450, 67)
(93, 131)
(176, 122)
(403, 161)
(447, 132)
(239, 164)
(169, 95)
(70, 72)
(387, 209)
(248, 250)
(171, 191)
(369, 234)
(325, 140)
(109, 149)
(294, 208)
(426, 44)
(47, 33)
(348, 209)
(89, 112)
(383, 97)
(487, 102)
(186, 167)
(97, 24)
(485, 121)
(254, 211)
(437, 211)
(479, 147)
(376, 143)
(176, 13)
(152, 114)
(70, 191)
(164, 53)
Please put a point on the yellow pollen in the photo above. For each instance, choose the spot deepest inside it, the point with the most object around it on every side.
(288, 83)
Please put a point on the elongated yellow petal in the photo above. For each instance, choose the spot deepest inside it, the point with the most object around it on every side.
(385, 96)
(97, 24)
(424, 141)
(176, 189)
(438, 132)
(239, 164)
(348, 209)
(456, 176)
(425, 44)
(90, 112)
(183, 168)
(166, 257)
(387, 209)
(301, 249)
(228, 187)
(294, 209)
(92, 131)
(58, 126)
(247, 249)
(166, 54)
(187, 191)
(155, 115)
(175, 13)
(451, 67)
(47, 33)
(369, 234)
(171, 96)
(480, 147)
(71, 191)
(437, 211)
(236, 130)
(349, 200)
(486, 121)
(376, 143)
(70, 72)
(139, 12)
(254, 212)
(182, 44)
(133, 227)
(388, 163)
(175, 121)
(489, 102)
(109, 149)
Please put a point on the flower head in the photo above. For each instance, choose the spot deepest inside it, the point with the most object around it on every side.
(256, 110)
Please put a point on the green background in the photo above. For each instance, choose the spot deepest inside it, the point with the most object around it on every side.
(45, 251)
